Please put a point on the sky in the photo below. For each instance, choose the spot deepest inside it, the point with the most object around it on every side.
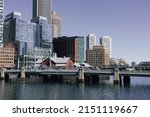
(127, 22)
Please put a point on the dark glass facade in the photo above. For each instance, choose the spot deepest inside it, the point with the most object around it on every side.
(73, 47)
(43, 32)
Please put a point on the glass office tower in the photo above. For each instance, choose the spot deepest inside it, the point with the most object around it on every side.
(1, 22)
(41, 13)
(43, 36)
(42, 8)
(105, 41)
(17, 29)
(90, 41)
(20, 33)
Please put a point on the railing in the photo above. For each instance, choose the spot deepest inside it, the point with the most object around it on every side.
(73, 71)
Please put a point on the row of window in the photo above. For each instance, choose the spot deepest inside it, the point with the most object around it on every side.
(7, 50)
(2, 52)
(6, 55)
(6, 62)
(4, 59)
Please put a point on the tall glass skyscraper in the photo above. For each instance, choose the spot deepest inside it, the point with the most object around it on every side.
(105, 41)
(90, 41)
(43, 18)
(17, 29)
(20, 33)
(1, 22)
(43, 36)
(42, 8)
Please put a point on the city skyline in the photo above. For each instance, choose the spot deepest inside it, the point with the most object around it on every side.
(126, 22)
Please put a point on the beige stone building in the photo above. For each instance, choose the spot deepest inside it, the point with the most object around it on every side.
(56, 25)
(7, 57)
(98, 56)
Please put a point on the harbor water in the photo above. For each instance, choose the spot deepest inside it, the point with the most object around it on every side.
(35, 89)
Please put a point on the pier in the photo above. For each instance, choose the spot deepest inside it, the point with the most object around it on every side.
(80, 75)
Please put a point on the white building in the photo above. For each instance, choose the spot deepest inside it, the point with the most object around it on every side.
(90, 41)
(105, 41)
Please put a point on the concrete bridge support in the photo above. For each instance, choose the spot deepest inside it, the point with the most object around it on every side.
(23, 73)
(81, 75)
(2, 73)
(116, 76)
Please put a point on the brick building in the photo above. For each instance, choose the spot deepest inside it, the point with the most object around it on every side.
(98, 56)
(7, 54)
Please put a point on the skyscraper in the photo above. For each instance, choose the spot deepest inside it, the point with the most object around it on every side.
(1, 22)
(56, 25)
(21, 34)
(105, 41)
(43, 36)
(42, 17)
(42, 8)
(73, 47)
(90, 41)
(17, 29)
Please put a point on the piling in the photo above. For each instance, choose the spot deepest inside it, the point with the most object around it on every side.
(116, 76)
(2, 73)
(81, 75)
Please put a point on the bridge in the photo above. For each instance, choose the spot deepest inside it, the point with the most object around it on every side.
(80, 74)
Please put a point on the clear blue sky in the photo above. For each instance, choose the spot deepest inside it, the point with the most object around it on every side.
(126, 21)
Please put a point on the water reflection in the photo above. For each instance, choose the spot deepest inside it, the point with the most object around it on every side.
(104, 90)
(81, 88)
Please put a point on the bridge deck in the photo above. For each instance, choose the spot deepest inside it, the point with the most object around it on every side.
(87, 72)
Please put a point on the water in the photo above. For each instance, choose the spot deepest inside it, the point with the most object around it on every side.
(30, 89)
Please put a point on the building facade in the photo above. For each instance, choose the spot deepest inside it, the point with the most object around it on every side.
(17, 29)
(42, 16)
(43, 32)
(1, 21)
(42, 8)
(73, 47)
(7, 57)
(56, 25)
(59, 63)
(90, 41)
(21, 33)
(98, 56)
(106, 42)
